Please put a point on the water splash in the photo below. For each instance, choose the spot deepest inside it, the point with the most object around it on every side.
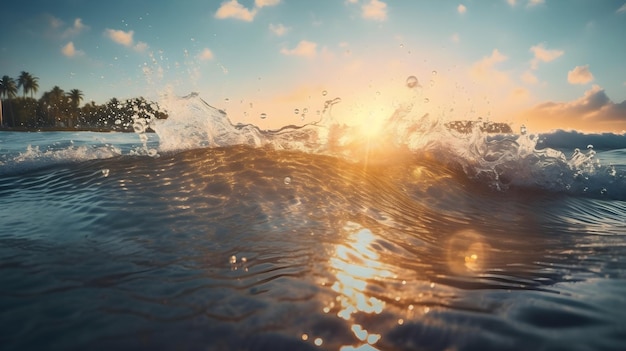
(487, 152)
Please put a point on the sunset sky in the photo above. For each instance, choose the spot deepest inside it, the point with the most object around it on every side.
(544, 63)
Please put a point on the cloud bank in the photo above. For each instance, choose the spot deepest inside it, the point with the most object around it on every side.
(593, 111)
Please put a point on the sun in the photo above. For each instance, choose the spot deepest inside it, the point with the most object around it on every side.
(372, 127)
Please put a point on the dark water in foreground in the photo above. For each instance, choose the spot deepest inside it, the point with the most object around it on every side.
(241, 248)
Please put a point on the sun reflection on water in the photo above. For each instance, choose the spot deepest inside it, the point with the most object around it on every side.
(355, 265)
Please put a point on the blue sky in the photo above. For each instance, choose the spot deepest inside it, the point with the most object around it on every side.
(544, 63)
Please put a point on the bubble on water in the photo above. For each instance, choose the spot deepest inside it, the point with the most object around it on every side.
(412, 82)
(105, 172)
(296, 111)
(287, 180)
(263, 115)
(324, 93)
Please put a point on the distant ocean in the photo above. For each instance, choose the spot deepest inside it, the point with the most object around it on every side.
(211, 236)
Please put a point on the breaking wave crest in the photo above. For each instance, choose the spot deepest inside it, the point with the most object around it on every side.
(489, 153)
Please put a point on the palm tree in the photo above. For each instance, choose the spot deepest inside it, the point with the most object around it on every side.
(28, 83)
(8, 89)
(76, 96)
(53, 102)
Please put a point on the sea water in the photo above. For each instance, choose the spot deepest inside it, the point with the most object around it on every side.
(211, 236)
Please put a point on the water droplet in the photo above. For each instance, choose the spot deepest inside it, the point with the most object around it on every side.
(589, 147)
(412, 82)
(603, 191)
(287, 180)
(523, 130)
(296, 111)
(105, 172)
(378, 93)
(263, 115)
(306, 110)
(426, 100)
(118, 121)
(432, 83)
(305, 337)
(226, 100)
(318, 342)
(401, 45)
(233, 259)
(434, 73)
(324, 93)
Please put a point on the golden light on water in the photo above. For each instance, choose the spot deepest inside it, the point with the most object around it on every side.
(355, 264)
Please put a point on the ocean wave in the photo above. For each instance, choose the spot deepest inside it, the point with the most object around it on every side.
(487, 153)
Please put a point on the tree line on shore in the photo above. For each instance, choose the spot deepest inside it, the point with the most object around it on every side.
(57, 109)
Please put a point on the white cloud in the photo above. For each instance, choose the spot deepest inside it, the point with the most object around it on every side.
(140, 46)
(541, 54)
(304, 48)
(233, 9)
(461, 9)
(125, 38)
(263, 3)
(580, 75)
(206, 55)
(621, 9)
(75, 29)
(278, 29)
(69, 50)
(484, 69)
(120, 37)
(375, 10)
